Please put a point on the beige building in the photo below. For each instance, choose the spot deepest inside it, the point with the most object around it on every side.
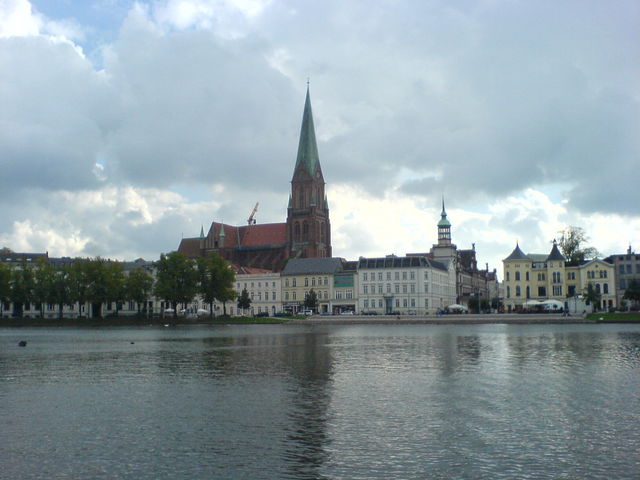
(301, 275)
(534, 279)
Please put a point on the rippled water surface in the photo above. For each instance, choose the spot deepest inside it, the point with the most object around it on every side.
(334, 402)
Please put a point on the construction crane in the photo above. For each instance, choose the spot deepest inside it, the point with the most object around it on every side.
(251, 220)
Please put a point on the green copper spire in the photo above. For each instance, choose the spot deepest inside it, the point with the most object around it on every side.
(201, 231)
(443, 220)
(307, 148)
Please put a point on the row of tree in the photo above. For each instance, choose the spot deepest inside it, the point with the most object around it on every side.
(97, 281)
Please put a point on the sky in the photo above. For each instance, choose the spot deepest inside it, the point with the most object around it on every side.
(126, 126)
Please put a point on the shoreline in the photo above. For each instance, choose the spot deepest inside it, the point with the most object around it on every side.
(458, 319)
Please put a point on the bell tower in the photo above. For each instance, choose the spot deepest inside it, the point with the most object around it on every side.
(308, 227)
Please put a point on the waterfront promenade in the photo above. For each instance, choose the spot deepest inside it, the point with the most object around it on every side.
(464, 319)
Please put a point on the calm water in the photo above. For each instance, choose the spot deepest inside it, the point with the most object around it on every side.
(352, 402)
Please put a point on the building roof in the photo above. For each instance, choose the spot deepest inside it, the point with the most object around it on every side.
(190, 247)
(240, 270)
(308, 148)
(517, 254)
(263, 234)
(555, 253)
(301, 266)
(391, 261)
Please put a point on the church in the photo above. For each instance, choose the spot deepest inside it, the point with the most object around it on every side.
(305, 234)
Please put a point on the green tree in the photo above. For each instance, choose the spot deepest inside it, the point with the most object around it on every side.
(177, 279)
(5, 286)
(311, 300)
(22, 286)
(115, 284)
(215, 281)
(43, 276)
(571, 244)
(244, 302)
(78, 281)
(61, 289)
(592, 296)
(632, 292)
(139, 285)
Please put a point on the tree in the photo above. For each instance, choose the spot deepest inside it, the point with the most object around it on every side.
(244, 301)
(632, 291)
(177, 279)
(591, 296)
(22, 285)
(139, 285)
(215, 281)
(5, 285)
(61, 289)
(571, 244)
(311, 300)
(43, 276)
(115, 283)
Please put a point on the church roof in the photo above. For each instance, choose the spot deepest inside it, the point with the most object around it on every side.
(517, 254)
(190, 247)
(263, 234)
(308, 148)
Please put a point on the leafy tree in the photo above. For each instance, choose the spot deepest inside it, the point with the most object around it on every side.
(311, 300)
(215, 281)
(244, 302)
(177, 279)
(571, 244)
(5, 285)
(139, 285)
(78, 281)
(115, 283)
(592, 296)
(43, 276)
(61, 289)
(22, 286)
(632, 292)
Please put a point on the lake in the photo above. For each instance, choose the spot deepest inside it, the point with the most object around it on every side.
(321, 402)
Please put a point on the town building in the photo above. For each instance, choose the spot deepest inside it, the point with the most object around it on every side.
(414, 285)
(627, 268)
(306, 232)
(301, 275)
(533, 279)
(264, 289)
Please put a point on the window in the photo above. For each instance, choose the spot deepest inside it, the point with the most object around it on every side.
(508, 291)
(557, 290)
(398, 302)
(426, 303)
(286, 296)
(366, 304)
(605, 288)
(364, 276)
(426, 275)
(349, 294)
(517, 290)
(412, 275)
(557, 277)
(571, 275)
(542, 291)
(338, 294)
(306, 282)
(379, 276)
(528, 292)
(426, 288)
(517, 276)
(388, 288)
(597, 287)
(388, 275)
(404, 275)
(293, 295)
(380, 288)
(404, 302)
(404, 288)
(365, 289)
(397, 285)
(623, 284)
(286, 282)
(294, 282)
(621, 268)
(413, 288)
(526, 276)
(413, 302)
(572, 290)
(507, 276)
(273, 295)
(629, 268)
(313, 282)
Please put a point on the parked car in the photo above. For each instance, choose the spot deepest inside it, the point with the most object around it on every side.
(306, 312)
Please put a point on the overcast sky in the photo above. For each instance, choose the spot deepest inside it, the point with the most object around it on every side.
(127, 125)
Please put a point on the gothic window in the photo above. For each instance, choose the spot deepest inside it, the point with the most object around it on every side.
(296, 232)
(605, 288)
(305, 231)
(322, 232)
(301, 198)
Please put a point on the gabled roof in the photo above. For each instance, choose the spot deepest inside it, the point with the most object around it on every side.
(308, 148)
(301, 266)
(190, 247)
(517, 254)
(555, 254)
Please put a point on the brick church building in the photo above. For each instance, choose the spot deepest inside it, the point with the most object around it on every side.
(305, 234)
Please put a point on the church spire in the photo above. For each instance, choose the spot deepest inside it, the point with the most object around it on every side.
(307, 148)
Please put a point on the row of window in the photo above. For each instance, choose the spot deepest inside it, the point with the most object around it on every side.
(556, 289)
(405, 302)
(406, 288)
(251, 285)
(411, 275)
(628, 268)
(320, 281)
(556, 277)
